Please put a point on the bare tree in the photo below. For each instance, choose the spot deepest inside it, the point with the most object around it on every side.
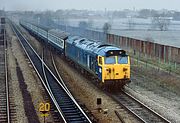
(131, 23)
(161, 23)
(106, 27)
(83, 25)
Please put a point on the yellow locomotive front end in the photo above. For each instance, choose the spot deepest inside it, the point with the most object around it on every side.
(115, 69)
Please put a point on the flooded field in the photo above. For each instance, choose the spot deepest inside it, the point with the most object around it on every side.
(171, 38)
(141, 30)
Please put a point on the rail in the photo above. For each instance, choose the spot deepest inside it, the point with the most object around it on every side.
(138, 109)
(58, 75)
(4, 90)
(67, 107)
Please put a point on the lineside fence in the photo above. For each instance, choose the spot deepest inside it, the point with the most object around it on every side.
(147, 51)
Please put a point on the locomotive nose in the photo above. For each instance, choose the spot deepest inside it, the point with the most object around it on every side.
(116, 72)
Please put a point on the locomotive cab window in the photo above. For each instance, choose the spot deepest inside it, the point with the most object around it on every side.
(122, 59)
(110, 60)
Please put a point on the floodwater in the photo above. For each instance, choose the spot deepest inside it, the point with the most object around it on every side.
(141, 30)
(171, 38)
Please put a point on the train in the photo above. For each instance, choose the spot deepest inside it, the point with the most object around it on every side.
(108, 64)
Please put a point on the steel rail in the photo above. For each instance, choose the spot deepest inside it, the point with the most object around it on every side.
(51, 75)
(4, 90)
(138, 109)
(59, 76)
(72, 98)
(6, 80)
(39, 75)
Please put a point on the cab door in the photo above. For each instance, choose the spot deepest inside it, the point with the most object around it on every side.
(100, 68)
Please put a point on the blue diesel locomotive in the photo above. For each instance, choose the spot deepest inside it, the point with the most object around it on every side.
(109, 64)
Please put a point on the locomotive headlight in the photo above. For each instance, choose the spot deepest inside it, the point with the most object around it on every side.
(100, 70)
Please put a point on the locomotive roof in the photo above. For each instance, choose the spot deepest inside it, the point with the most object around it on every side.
(92, 46)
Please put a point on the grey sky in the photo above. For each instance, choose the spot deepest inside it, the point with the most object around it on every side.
(88, 4)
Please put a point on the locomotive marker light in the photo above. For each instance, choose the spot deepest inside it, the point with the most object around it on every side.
(44, 108)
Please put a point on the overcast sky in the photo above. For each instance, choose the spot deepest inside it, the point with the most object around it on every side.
(88, 4)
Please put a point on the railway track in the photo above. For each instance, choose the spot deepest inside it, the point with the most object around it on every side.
(4, 88)
(66, 105)
(142, 112)
(137, 109)
(57, 73)
(93, 119)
